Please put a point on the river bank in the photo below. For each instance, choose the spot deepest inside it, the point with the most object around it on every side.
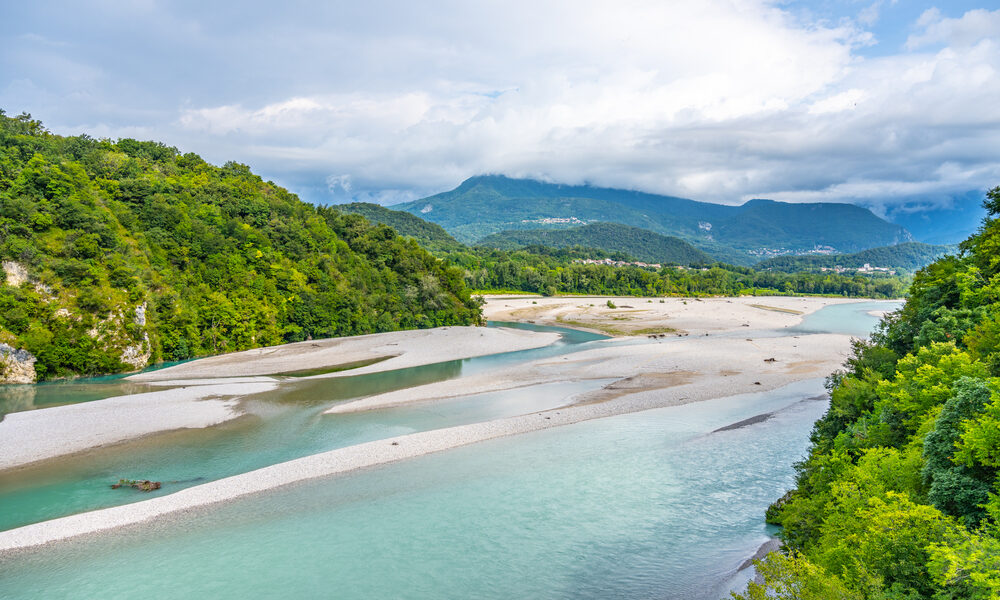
(625, 316)
(733, 358)
(377, 352)
(210, 391)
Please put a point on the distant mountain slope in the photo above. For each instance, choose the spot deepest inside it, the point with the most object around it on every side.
(903, 257)
(489, 204)
(941, 225)
(766, 223)
(639, 243)
(431, 236)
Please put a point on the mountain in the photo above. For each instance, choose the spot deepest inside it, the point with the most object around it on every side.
(940, 224)
(430, 236)
(489, 204)
(639, 243)
(119, 254)
(908, 256)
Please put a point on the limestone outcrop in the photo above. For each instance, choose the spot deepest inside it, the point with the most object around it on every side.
(16, 366)
(16, 273)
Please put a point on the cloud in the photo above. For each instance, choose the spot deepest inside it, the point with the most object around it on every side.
(970, 28)
(720, 100)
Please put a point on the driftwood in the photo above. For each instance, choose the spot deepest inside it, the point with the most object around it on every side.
(143, 485)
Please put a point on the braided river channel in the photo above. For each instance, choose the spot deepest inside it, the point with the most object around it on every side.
(654, 504)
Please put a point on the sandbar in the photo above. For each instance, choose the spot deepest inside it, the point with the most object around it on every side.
(400, 349)
(733, 359)
(327, 464)
(207, 391)
(649, 316)
(34, 435)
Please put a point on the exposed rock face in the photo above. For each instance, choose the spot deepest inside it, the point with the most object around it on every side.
(16, 273)
(16, 366)
(140, 315)
(137, 355)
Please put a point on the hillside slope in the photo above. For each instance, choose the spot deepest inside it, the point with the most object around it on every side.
(490, 204)
(899, 496)
(612, 237)
(430, 236)
(120, 254)
(908, 256)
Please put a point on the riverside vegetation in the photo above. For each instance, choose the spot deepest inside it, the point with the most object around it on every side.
(546, 270)
(121, 254)
(899, 497)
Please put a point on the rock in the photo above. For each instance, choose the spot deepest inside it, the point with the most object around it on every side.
(143, 485)
(16, 366)
(140, 315)
(137, 355)
(16, 273)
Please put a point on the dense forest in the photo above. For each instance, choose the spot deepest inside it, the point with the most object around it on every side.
(431, 236)
(559, 271)
(489, 204)
(899, 497)
(546, 270)
(121, 253)
(642, 244)
(908, 256)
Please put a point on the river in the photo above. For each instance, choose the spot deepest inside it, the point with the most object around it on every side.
(657, 504)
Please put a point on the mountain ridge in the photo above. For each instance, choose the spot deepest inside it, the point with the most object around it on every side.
(908, 256)
(487, 204)
(636, 242)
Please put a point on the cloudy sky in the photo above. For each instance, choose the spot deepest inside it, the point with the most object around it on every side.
(870, 101)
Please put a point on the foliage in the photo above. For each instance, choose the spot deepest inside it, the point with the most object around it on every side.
(908, 256)
(430, 236)
(216, 258)
(794, 578)
(489, 204)
(898, 497)
(548, 271)
(643, 244)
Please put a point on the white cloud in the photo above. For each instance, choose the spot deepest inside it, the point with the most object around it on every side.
(970, 28)
(718, 100)
(839, 102)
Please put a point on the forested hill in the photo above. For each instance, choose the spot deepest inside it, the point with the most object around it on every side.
(120, 254)
(900, 494)
(612, 237)
(484, 205)
(430, 236)
(908, 256)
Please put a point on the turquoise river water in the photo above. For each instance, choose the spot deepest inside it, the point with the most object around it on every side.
(657, 504)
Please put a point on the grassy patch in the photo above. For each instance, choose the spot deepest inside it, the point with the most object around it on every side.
(602, 327)
(654, 330)
(502, 293)
(612, 329)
